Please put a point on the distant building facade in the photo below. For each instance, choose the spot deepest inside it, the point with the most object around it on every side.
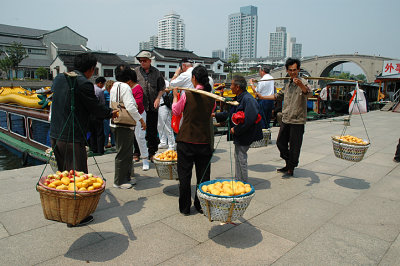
(149, 45)
(42, 46)
(278, 43)
(171, 32)
(242, 33)
(218, 54)
(282, 45)
(168, 60)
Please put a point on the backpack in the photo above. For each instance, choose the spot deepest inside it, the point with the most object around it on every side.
(168, 99)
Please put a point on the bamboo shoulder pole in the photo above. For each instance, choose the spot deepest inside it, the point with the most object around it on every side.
(205, 93)
(317, 78)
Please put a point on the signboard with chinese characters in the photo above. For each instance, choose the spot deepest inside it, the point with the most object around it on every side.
(391, 67)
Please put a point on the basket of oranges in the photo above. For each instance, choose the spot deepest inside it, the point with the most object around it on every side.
(349, 148)
(69, 197)
(224, 200)
(167, 164)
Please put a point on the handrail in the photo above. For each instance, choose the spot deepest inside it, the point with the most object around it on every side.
(396, 97)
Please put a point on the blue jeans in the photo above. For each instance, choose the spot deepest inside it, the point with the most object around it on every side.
(266, 107)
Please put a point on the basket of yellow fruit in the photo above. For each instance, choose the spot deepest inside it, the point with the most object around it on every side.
(349, 148)
(264, 141)
(69, 197)
(167, 164)
(224, 200)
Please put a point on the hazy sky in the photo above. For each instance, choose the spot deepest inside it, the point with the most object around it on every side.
(323, 26)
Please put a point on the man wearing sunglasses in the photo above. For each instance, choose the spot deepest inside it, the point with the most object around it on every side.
(153, 86)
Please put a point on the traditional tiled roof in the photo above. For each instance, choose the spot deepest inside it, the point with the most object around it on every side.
(108, 59)
(69, 47)
(6, 40)
(29, 62)
(176, 54)
(20, 31)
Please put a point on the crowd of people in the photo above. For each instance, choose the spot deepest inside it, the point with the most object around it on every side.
(142, 91)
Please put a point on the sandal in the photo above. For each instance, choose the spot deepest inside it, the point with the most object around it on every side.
(136, 158)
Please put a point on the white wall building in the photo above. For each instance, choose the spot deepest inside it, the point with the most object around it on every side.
(171, 32)
(218, 54)
(278, 42)
(242, 33)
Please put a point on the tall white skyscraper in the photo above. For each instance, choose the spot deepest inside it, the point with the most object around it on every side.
(278, 42)
(242, 33)
(281, 45)
(171, 32)
(218, 53)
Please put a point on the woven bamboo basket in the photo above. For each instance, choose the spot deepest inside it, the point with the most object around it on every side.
(166, 169)
(223, 208)
(353, 152)
(67, 206)
(264, 141)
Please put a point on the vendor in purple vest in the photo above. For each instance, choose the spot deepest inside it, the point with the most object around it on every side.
(194, 137)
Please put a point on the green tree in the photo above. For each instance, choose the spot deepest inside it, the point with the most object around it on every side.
(41, 72)
(234, 59)
(6, 65)
(16, 53)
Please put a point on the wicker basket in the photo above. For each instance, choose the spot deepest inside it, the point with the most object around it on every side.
(167, 169)
(353, 152)
(67, 206)
(264, 141)
(222, 208)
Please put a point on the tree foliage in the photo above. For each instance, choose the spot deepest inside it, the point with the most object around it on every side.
(6, 66)
(347, 75)
(41, 72)
(16, 53)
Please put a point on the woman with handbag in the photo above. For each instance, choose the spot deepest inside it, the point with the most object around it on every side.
(123, 128)
(194, 137)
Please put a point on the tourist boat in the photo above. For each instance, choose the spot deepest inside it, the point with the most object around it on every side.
(24, 121)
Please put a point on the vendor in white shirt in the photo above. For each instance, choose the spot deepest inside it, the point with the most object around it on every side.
(183, 75)
(265, 88)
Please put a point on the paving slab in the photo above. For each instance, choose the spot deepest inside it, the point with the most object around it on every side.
(243, 244)
(31, 247)
(335, 245)
(297, 218)
(392, 256)
(372, 215)
(152, 244)
(24, 219)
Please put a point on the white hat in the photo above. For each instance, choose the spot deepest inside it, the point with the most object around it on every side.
(145, 54)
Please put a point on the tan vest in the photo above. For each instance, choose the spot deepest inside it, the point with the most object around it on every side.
(195, 126)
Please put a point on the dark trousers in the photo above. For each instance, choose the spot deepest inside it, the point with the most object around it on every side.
(151, 132)
(63, 151)
(96, 140)
(266, 107)
(189, 154)
(289, 141)
(397, 154)
(123, 160)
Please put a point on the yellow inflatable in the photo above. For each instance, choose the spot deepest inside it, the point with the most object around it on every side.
(23, 97)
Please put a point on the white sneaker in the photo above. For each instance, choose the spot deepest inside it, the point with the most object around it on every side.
(162, 146)
(146, 165)
(173, 147)
(132, 181)
(123, 186)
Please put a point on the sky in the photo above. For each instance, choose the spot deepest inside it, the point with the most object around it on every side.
(323, 27)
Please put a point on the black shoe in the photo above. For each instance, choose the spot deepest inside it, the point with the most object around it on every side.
(185, 213)
(199, 210)
(282, 170)
(85, 221)
(396, 160)
(288, 174)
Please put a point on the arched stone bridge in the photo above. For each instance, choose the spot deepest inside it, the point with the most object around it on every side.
(320, 66)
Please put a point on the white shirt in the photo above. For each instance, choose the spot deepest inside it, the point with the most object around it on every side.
(126, 96)
(184, 80)
(266, 88)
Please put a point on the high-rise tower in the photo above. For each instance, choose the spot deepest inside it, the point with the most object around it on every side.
(242, 33)
(171, 32)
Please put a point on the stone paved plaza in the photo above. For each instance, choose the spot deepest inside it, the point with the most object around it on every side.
(332, 212)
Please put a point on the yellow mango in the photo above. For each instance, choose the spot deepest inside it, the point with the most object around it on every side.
(96, 185)
(99, 180)
(90, 188)
(52, 185)
(57, 183)
(65, 181)
(82, 189)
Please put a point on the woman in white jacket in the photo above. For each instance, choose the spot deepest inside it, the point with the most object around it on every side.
(124, 136)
